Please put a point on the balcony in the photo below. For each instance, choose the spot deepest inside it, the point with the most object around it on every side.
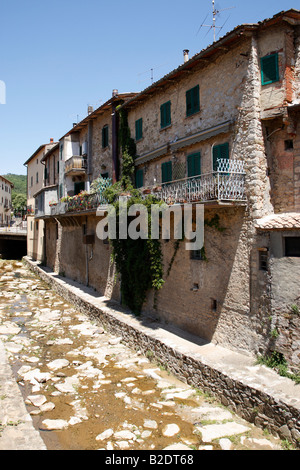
(83, 202)
(226, 185)
(75, 166)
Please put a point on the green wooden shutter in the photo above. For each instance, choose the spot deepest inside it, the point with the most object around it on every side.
(105, 137)
(166, 172)
(192, 101)
(165, 114)
(220, 151)
(269, 69)
(194, 164)
(138, 129)
(139, 178)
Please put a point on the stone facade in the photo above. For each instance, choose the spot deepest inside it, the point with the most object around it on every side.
(239, 96)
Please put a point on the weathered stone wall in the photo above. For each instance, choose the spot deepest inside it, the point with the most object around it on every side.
(102, 158)
(89, 264)
(283, 165)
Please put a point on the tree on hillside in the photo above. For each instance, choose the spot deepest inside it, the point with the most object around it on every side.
(19, 202)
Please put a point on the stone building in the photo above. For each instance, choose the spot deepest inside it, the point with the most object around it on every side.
(87, 151)
(35, 182)
(221, 131)
(5, 201)
(227, 136)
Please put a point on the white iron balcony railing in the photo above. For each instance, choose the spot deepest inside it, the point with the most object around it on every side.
(225, 184)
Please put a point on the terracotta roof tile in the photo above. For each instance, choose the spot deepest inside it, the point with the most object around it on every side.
(286, 221)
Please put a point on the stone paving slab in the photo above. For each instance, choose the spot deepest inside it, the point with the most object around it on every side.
(256, 393)
(16, 427)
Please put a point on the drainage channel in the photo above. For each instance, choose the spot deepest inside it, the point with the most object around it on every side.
(85, 390)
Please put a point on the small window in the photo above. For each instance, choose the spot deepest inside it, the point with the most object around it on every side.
(269, 69)
(292, 246)
(263, 260)
(61, 148)
(165, 115)
(139, 178)
(105, 137)
(194, 164)
(288, 144)
(192, 101)
(220, 152)
(166, 172)
(139, 129)
(198, 255)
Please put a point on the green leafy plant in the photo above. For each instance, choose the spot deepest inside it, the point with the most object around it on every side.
(139, 262)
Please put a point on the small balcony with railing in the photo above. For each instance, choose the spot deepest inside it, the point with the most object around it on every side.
(226, 185)
(76, 166)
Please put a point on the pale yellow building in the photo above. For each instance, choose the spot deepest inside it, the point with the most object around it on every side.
(35, 182)
(5, 201)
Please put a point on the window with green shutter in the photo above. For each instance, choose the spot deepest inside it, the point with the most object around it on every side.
(166, 172)
(139, 129)
(139, 178)
(194, 164)
(269, 69)
(105, 137)
(165, 114)
(192, 101)
(220, 151)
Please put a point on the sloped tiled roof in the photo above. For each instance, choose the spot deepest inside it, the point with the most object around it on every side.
(286, 221)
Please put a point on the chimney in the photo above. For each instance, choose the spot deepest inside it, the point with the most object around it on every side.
(186, 55)
(90, 110)
(51, 140)
(115, 93)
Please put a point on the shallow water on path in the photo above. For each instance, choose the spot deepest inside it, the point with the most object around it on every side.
(84, 389)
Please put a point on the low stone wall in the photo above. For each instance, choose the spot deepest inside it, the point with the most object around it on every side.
(256, 405)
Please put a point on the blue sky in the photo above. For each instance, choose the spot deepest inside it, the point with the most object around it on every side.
(58, 57)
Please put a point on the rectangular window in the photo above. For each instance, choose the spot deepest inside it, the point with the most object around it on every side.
(269, 69)
(165, 114)
(166, 172)
(78, 187)
(139, 129)
(139, 178)
(263, 259)
(192, 101)
(292, 246)
(105, 137)
(61, 148)
(220, 152)
(194, 164)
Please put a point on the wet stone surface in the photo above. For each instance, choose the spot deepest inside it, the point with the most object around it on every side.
(85, 390)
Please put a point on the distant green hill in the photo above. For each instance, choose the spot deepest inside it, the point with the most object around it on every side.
(19, 192)
(19, 182)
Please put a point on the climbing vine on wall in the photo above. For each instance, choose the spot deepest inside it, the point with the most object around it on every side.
(139, 262)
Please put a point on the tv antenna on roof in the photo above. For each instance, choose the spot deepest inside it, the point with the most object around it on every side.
(213, 26)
